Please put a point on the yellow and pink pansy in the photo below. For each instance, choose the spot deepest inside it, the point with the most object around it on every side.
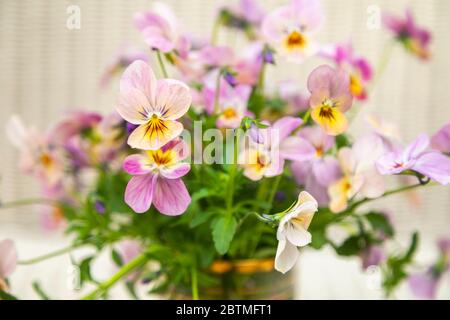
(154, 105)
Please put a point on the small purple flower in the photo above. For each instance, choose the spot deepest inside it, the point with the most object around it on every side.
(99, 206)
(230, 79)
(267, 56)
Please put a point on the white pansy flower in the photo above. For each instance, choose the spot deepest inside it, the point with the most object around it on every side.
(292, 231)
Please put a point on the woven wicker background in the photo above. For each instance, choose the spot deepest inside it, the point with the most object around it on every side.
(47, 69)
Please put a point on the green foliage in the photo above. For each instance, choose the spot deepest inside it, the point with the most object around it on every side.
(223, 232)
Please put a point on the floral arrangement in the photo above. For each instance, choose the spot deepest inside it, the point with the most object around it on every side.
(204, 164)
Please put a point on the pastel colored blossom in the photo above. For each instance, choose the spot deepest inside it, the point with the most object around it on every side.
(159, 28)
(359, 173)
(414, 38)
(266, 159)
(290, 29)
(424, 285)
(8, 261)
(293, 231)
(417, 157)
(154, 105)
(318, 171)
(330, 98)
(441, 140)
(157, 179)
(126, 56)
(38, 156)
(216, 56)
(359, 68)
(387, 131)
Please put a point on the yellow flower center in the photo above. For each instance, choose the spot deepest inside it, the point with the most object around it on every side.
(229, 113)
(162, 158)
(319, 151)
(295, 40)
(46, 160)
(356, 87)
(155, 127)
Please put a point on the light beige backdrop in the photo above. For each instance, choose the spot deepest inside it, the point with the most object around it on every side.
(47, 69)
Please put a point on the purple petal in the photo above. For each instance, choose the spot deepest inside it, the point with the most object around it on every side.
(435, 166)
(139, 192)
(326, 171)
(176, 171)
(423, 286)
(171, 197)
(441, 140)
(415, 148)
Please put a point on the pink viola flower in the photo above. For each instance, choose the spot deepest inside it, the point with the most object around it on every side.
(318, 170)
(216, 56)
(8, 261)
(39, 157)
(387, 131)
(424, 285)
(154, 105)
(417, 157)
(157, 179)
(359, 173)
(359, 68)
(330, 98)
(78, 122)
(159, 28)
(441, 140)
(414, 38)
(126, 56)
(290, 29)
(266, 159)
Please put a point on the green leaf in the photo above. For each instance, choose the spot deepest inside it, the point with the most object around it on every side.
(352, 246)
(223, 230)
(380, 222)
(85, 270)
(116, 257)
(318, 239)
(6, 296)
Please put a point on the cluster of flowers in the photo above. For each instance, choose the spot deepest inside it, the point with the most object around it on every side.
(226, 90)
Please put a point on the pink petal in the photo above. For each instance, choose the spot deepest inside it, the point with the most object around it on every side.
(415, 148)
(441, 140)
(297, 149)
(8, 258)
(173, 99)
(139, 192)
(139, 75)
(135, 165)
(326, 171)
(286, 126)
(176, 171)
(171, 196)
(133, 106)
(320, 78)
(157, 39)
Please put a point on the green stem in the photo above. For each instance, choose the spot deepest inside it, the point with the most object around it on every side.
(388, 193)
(230, 191)
(215, 30)
(27, 202)
(161, 64)
(126, 269)
(274, 189)
(194, 283)
(383, 63)
(50, 255)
